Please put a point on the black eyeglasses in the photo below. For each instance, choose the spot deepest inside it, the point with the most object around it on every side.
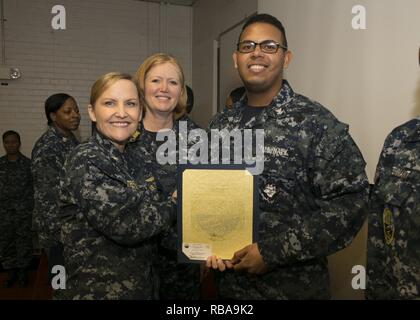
(267, 46)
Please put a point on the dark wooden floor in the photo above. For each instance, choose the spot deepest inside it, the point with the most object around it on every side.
(38, 287)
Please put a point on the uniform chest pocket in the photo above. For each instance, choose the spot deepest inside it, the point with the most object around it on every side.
(401, 188)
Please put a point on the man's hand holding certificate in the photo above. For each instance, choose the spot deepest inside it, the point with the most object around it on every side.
(248, 259)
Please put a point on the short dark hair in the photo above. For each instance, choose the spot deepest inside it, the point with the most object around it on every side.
(11, 133)
(55, 102)
(265, 18)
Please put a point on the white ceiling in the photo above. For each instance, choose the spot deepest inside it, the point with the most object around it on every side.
(176, 2)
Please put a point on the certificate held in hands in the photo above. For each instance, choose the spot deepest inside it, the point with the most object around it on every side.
(217, 206)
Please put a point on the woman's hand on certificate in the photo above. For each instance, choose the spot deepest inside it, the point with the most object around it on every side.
(216, 263)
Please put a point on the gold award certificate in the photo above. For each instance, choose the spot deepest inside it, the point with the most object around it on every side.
(217, 212)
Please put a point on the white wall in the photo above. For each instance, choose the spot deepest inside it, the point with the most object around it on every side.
(101, 36)
(228, 75)
(211, 18)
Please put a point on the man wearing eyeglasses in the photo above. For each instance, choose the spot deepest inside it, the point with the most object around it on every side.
(313, 190)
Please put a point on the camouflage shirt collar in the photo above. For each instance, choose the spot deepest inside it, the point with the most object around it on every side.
(175, 125)
(54, 131)
(276, 107)
(19, 158)
(283, 98)
(414, 134)
(176, 122)
(107, 145)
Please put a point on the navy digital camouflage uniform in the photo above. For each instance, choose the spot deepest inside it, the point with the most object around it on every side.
(16, 205)
(177, 281)
(312, 197)
(394, 220)
(110, 216)
(48, 156)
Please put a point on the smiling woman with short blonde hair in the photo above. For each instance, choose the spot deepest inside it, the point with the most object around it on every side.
(110, 212)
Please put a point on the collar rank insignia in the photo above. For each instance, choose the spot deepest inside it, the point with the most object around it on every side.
(151, 179)
(389, 227)
(400, 173)
(151, 186)
(134, 136)
(132, 184)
